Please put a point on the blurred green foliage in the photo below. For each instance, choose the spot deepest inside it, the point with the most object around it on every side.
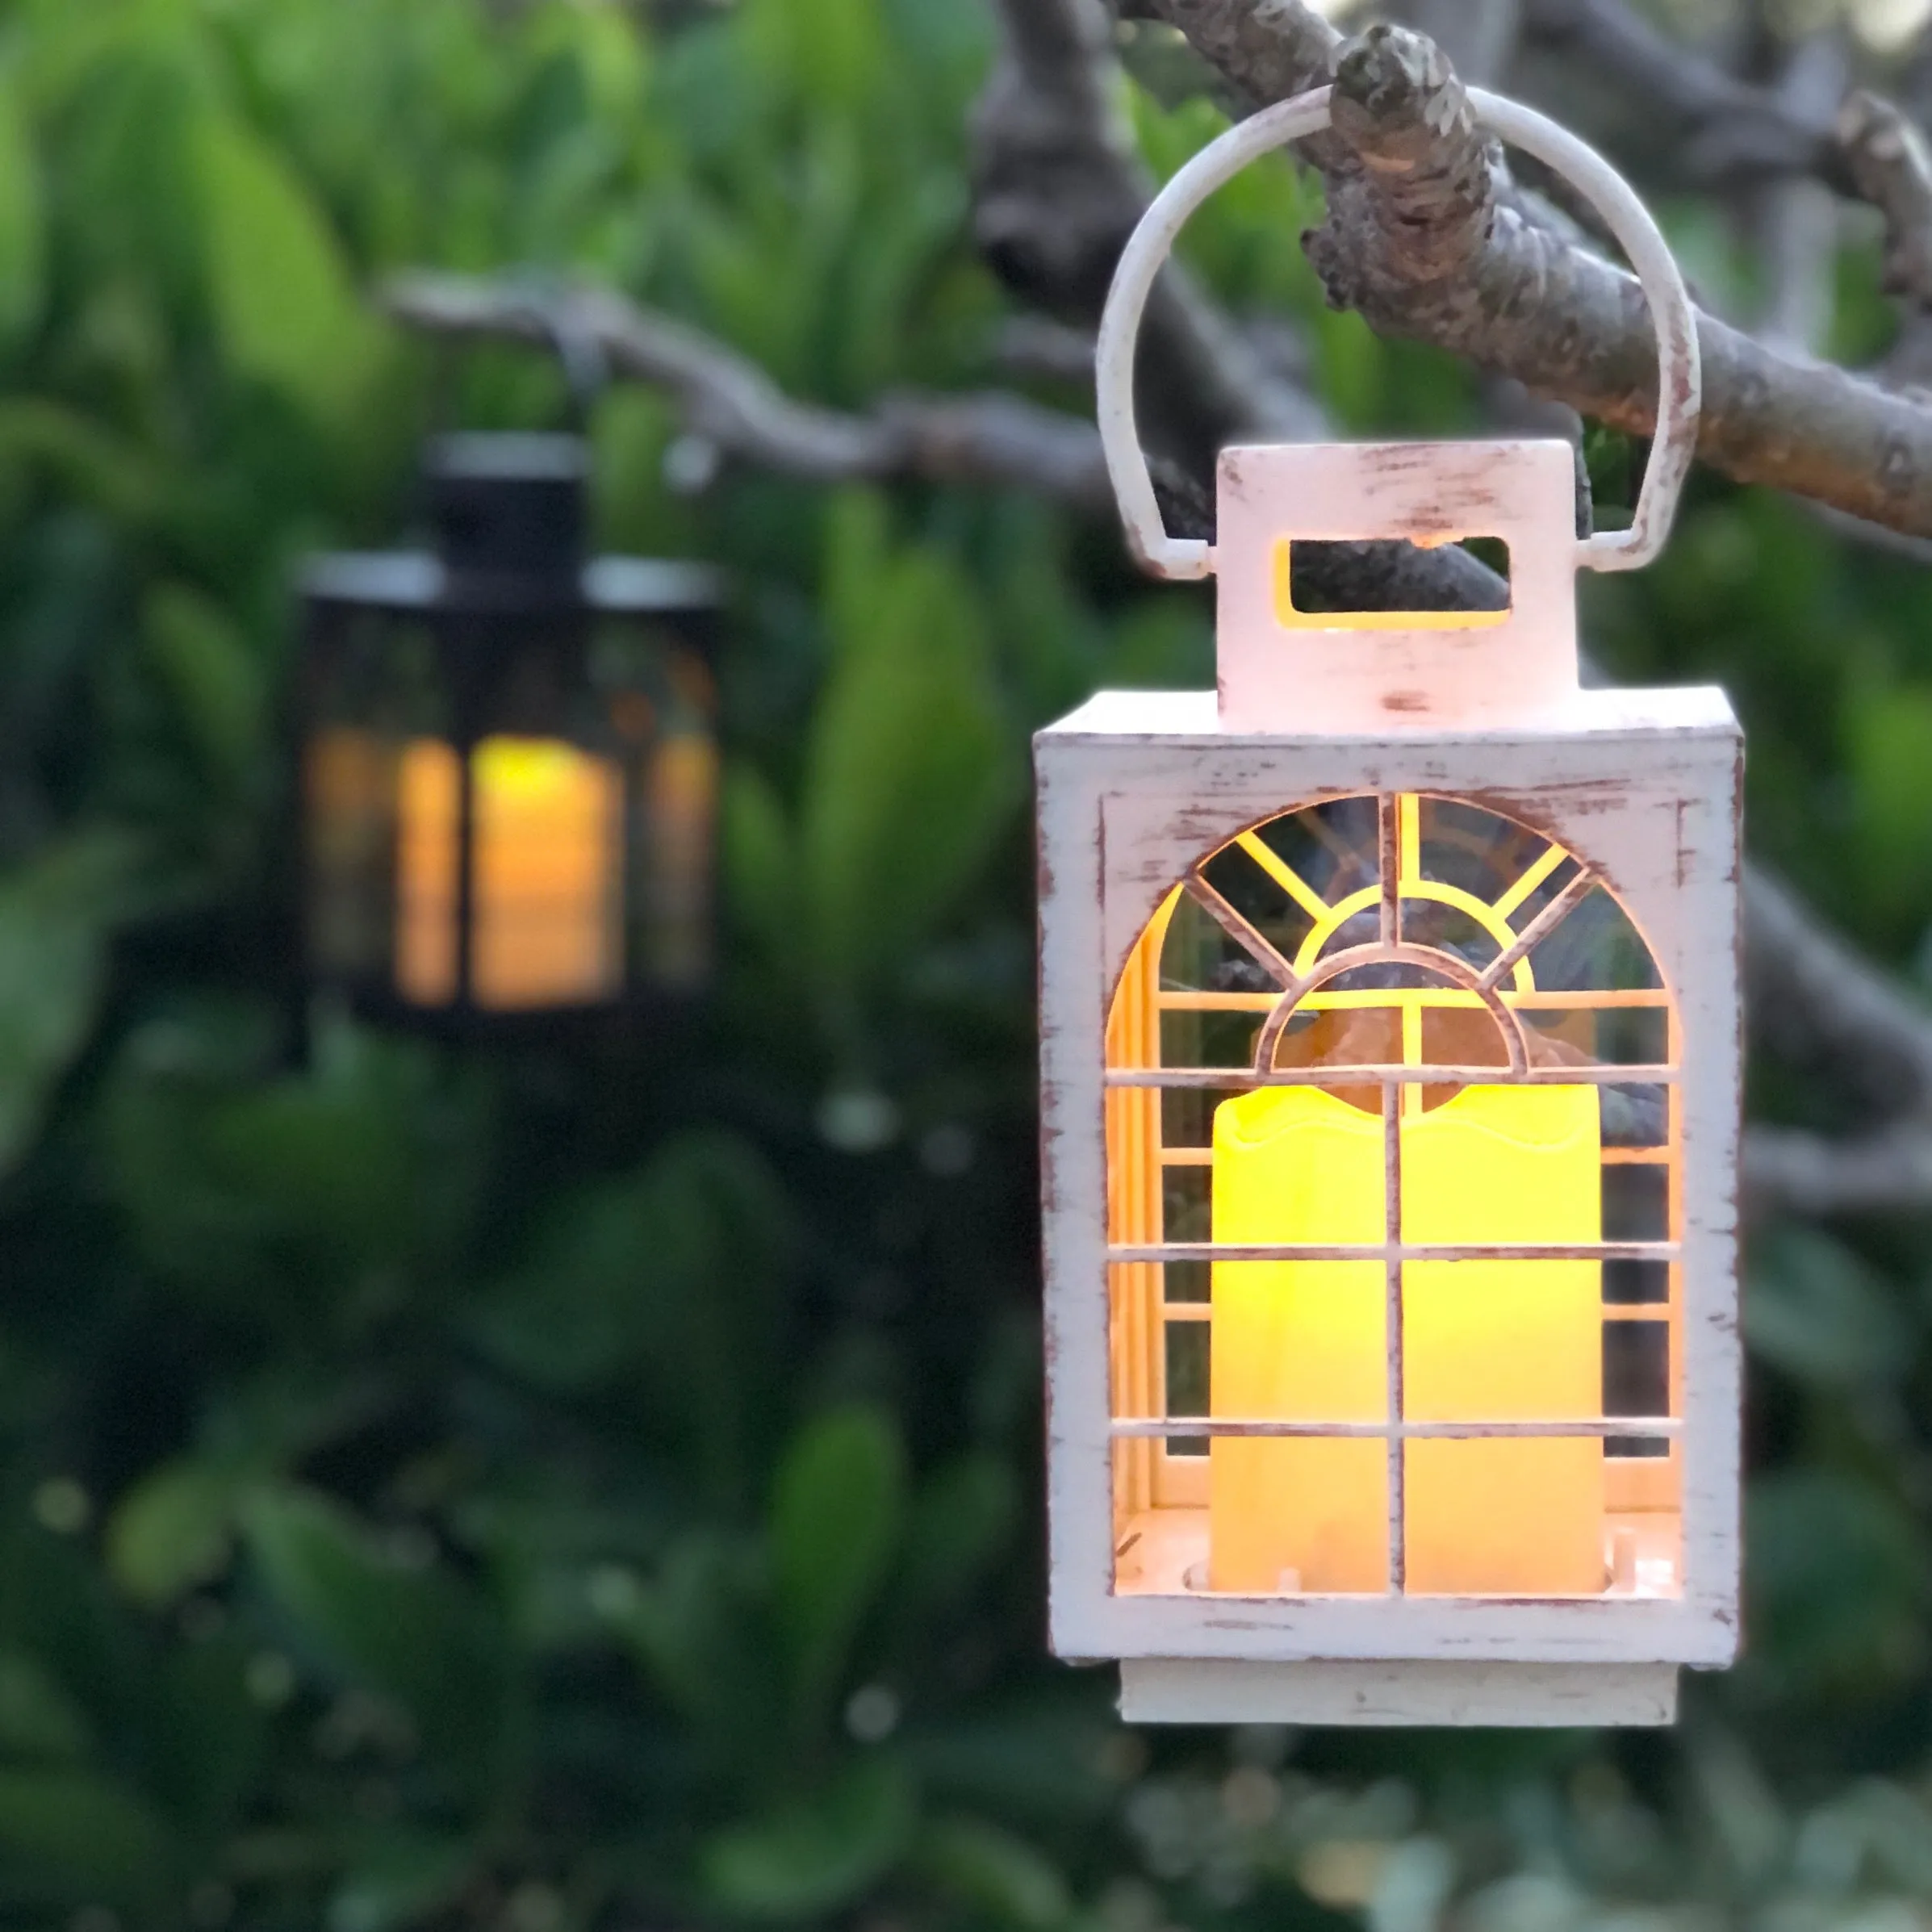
(543, 1494)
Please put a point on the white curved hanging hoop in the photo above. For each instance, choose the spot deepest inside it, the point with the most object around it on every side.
(1679, 383)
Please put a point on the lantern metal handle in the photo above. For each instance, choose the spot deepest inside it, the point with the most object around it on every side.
(1679, 383)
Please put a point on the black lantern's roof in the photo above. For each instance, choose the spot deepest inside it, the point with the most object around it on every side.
(415, 581)
(508, 514)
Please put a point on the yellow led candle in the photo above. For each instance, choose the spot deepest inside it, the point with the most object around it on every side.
(549, 829)
(1483, 1340)
(548, 838)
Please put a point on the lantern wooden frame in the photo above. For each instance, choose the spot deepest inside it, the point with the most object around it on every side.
(1136, 790)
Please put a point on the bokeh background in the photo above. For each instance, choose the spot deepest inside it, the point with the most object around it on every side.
(587, 1492)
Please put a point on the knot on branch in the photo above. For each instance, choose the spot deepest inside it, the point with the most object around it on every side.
(1887, 158)
(1412, 204)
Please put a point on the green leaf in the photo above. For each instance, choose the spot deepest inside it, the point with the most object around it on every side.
(962, 1519)
(213, 677)
(700, 1630)
(1837, 1571)
(829, 52)
(1888, 742)
(171, 1531)
(37, 1718)
(668, 1277)
(80, 1835)
(1000, 1875)
(1813, 1309)
(23, 220)
(759, 860)
(412, 1634)
(400, 1879)
(110, 472)
(837, 1511)
(814, 1857)
(910, 774)
(281, 292)
(55, 919)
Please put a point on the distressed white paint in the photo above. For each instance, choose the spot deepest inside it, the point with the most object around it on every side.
(1486, 667)
(1134, 788)
(1189, 1690)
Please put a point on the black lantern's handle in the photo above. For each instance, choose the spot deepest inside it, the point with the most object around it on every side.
(1679, 388)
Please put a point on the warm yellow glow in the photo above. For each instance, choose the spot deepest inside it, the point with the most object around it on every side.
(429, 797)
(1290, 617)
(1483, 1340)
(547, 895)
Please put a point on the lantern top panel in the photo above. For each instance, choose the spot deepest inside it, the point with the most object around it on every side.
(1194, 717)
(417, 582)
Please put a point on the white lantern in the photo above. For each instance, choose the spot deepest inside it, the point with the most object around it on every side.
(1391, 1067)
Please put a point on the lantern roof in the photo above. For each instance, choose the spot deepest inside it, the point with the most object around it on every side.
(507, 515)
(419, 581)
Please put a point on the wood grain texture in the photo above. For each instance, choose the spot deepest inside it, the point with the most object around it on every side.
(1190, 1691)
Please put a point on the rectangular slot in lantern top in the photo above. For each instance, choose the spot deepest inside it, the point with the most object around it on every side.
(1390, 1093)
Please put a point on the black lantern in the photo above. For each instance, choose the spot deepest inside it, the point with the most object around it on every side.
(508, 758)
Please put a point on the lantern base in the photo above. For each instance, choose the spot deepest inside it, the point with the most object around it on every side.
(1189, 1690)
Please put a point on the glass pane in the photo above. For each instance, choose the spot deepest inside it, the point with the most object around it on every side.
(1187, 1381)
(1187, 1114)
(1200, 955)
(1636, 1380)
(1262, 899)
(1187, 1282)
(1636, 1202)
(373, 689)
(1465, 846)
(1334, 847)
(1183, 1203)
(1635, 1284)
(1518, 1515)
(1208, 1040)
(1637, 1115)
(1594, 945)
(1449, 929)
(1617, 1036)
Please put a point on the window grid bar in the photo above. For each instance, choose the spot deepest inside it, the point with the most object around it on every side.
(1613, 1156)
(1391, 1236)
(1398, 1431)
(1388, 831)
(1175, 999)
(1240, 1079)
(1394, 1252)
(1612, 1311)
(1539, 928)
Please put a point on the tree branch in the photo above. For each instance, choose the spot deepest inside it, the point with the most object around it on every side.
(1888, 161)
(728, 400)
(1719, 131)
(1058, 186)
(1416, 242)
